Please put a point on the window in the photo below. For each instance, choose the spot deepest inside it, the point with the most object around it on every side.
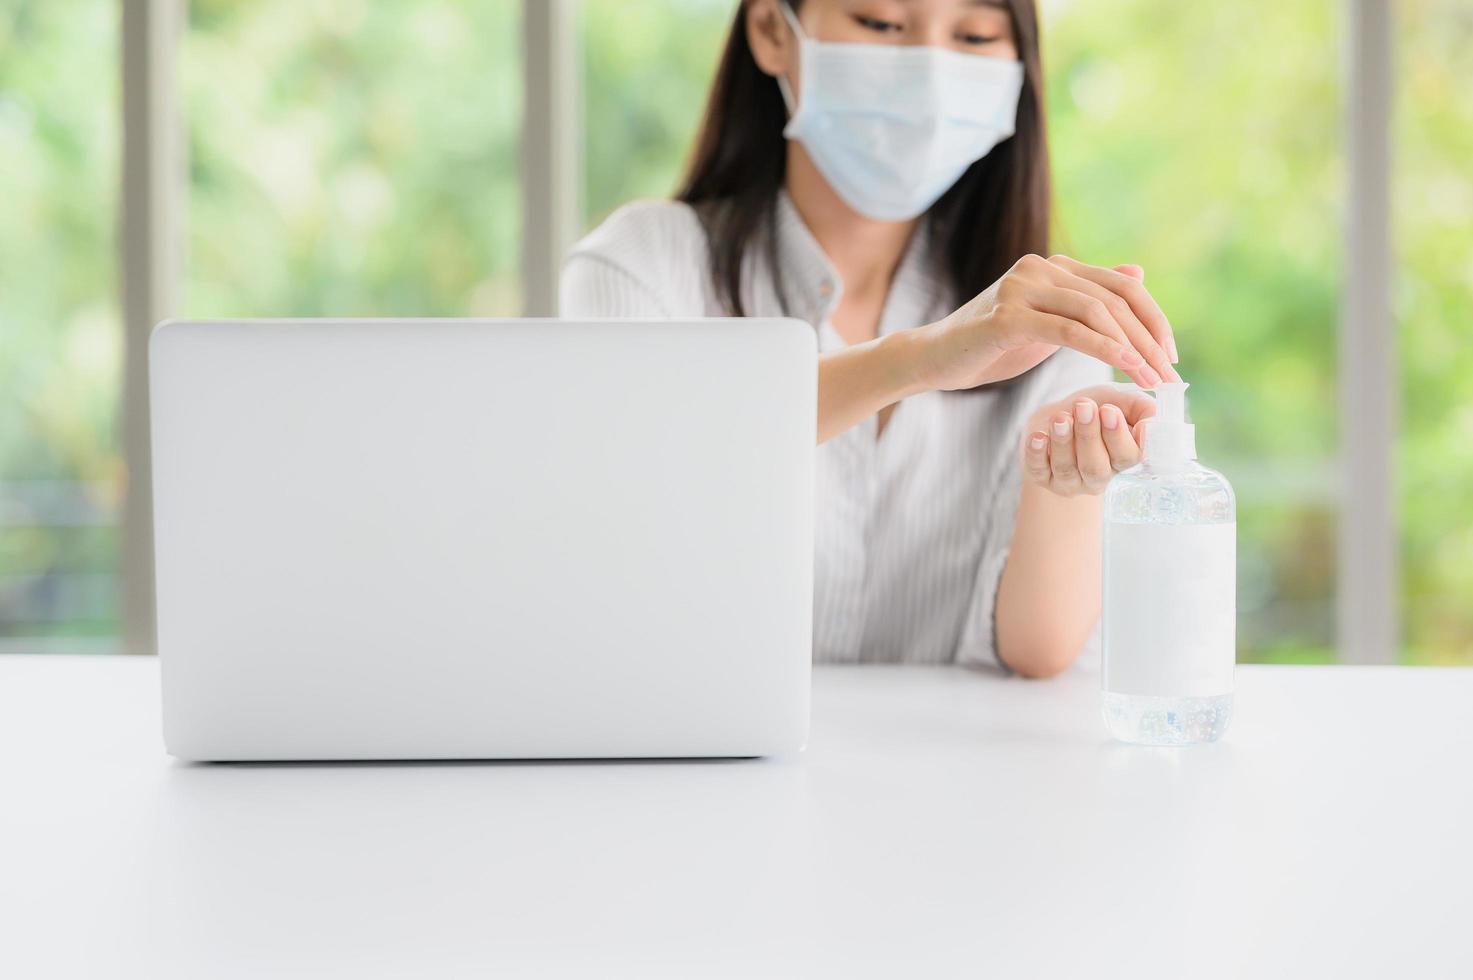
(646, 68)
(352, 158)
(365, 158)
(60, 340)
(1432, 209)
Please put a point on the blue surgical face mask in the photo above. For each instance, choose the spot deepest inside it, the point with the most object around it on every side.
(892, 127)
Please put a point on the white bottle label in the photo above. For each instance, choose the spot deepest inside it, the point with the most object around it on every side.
(1170, 609)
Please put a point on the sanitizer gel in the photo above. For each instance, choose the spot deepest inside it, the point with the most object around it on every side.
(1170, 589)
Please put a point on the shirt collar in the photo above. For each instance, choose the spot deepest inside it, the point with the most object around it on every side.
(813, 286)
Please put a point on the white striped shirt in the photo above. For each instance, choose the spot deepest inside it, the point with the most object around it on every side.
(911, 529)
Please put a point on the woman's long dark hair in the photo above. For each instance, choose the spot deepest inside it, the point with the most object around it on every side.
(997, 212)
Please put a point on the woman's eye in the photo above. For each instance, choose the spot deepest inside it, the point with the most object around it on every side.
(874, 24)
(978, 38)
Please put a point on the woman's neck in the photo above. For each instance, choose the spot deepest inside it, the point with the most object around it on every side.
(865, 252)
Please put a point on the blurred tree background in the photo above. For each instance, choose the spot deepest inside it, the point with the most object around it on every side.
(60, 347)
(1432, 214)
(351, 157)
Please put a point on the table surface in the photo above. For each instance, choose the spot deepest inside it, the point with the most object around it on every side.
(941, 823)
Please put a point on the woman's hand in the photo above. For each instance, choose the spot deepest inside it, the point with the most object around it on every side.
(1040, 305)
(1074, 446)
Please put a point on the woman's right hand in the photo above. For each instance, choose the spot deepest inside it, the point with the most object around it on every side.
(1040, 305)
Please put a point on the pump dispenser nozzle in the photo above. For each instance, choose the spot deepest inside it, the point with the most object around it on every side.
(1167, 435)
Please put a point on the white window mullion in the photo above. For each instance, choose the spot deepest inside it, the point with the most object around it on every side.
(149, 276)
(1368, 569)
(551, 177)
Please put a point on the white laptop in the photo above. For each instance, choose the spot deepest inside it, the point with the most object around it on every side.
(417, 539)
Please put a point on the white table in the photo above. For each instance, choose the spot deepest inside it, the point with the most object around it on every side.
(941, 824)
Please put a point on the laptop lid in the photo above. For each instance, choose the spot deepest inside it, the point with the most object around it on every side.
(483, 538)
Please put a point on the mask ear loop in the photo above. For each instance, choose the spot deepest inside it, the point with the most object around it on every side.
(782, 80)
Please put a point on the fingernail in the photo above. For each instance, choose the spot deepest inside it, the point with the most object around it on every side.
(1084, 412)
(1151, 377)
(1061, 428)
(1038, 440)
(1130, 358)
(1171, 349)
(1110, 417)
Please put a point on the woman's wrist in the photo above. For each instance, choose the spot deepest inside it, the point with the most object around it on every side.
(858, 380)
(940, 356)
(905, 353)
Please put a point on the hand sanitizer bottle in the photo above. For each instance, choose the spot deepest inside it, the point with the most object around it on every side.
(1170, 554)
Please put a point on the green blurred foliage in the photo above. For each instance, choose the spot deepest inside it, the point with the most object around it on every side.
(1432, 208)
(358, 157)
(647, 65)
(60, 347)
(351, 157)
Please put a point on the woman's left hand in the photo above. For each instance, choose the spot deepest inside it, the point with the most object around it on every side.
(1076, 445)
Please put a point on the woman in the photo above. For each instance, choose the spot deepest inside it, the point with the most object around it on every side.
(879, 168)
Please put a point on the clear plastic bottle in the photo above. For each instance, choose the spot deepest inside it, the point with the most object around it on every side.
(1170, 605)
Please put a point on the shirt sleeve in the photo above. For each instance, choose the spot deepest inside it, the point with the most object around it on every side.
(593, 286)
(1064, 373)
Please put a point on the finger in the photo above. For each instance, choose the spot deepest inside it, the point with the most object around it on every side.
(1133, 404)
(1135, 331)
(1138, 408)
(1070, 319)
(1134, 292)
(1090, 454)
(1065, 331)
(1057, 297)
(1035, 458)
(1119, 443)
(1127, 281)
(1080, 277)
(1062, 466)
(1093, 314)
